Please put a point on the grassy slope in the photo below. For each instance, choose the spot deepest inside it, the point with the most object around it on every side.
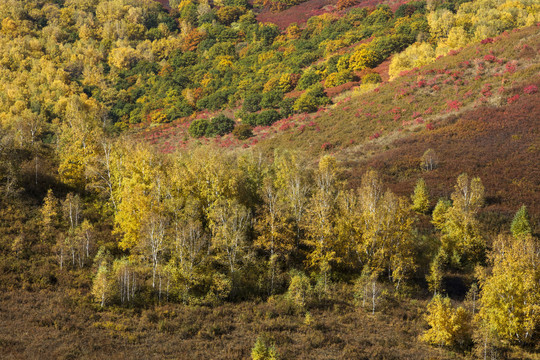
(51, 324)
(460, 106)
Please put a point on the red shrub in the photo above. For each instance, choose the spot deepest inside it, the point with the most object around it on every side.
(453, 105)
(531, 89)
(512, 99)
(327, 146)
(490, 58)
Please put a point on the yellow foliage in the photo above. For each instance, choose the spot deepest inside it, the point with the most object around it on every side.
(264, 57)
(123, 57)
(224, 62)
(510, 295)
(364, 57)
(416, 55)
(449, 326)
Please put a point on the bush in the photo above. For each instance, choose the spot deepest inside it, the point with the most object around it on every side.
(267, 117)
(261, 351)
(222, 125)
(242, 132)
(286, 107)
(249, 118)
(271, 99)
(308, 79)
(371, 78)
(300, 290)
(416, 55)
(338, 78)
(199, 127)
(312, 99)
(252, 103)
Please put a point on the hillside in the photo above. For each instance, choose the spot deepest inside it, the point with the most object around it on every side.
(269, 180)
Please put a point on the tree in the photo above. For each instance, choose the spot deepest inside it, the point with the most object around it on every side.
(420, 198)
(191, 243)
(50, 216)
(520, 224)
(199, 128)
(293, 180)
(321, 218)
(449, 327)
(222, 125)
(273, 226)
(509, 293)
(461, 241)
(229, 222)
(300, 289)
(101, 286)
(386, 228)
(368, 291)
(429, 160)
(126, 278)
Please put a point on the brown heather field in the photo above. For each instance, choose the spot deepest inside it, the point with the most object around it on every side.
(58, 323)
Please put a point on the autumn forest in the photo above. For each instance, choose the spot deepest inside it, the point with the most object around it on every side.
(277, 179)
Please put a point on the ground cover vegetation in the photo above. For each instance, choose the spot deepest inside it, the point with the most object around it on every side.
(197, 182)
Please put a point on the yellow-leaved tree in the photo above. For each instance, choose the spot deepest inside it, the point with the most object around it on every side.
(510, 292)
(420, 197)
(321, 214)
(449, 326)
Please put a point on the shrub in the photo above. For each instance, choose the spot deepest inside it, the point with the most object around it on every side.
(364, 57)
(262, 351)
(271, 99)
(267, 117)
(344, 4)
(249, 118)
(416, 55)
(242, 132)
(199, 127)
(312, 99)
(300, 290)
(308, 79)
(252, 103)
(222, 125)
(286, 107)
(371, 78)
(531, 89)
(338, 78)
